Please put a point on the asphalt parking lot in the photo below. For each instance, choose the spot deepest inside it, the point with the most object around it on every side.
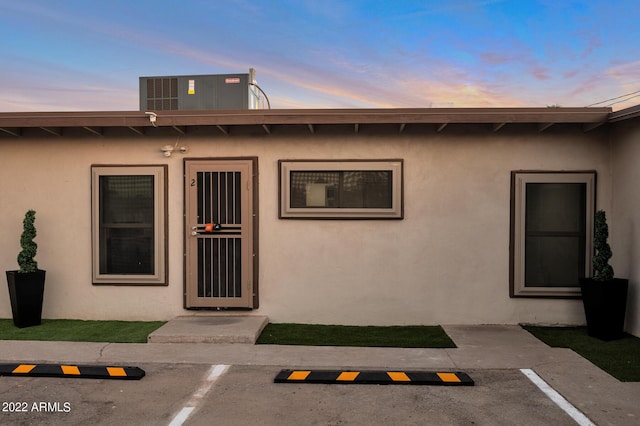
(247, 395)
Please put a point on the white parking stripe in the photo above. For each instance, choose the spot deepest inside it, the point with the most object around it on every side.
(212, 376)
(560, 401)
(182, 416)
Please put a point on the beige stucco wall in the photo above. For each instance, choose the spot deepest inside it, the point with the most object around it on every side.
(625, 220)
(446, 262)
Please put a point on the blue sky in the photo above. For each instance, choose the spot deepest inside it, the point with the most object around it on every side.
(60, 55)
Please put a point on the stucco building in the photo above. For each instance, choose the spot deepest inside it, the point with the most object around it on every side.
(392, 216)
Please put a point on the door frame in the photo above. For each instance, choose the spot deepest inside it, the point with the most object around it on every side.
(254, 214)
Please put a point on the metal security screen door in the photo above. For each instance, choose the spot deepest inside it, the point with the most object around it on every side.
(220, 225)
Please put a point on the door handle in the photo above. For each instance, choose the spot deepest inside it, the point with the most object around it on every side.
(207, 228)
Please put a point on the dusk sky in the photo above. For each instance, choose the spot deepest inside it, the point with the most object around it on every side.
(62, 55)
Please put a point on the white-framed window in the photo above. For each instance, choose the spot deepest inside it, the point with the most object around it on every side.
(344, 189)
(551, 232)
(129, 224)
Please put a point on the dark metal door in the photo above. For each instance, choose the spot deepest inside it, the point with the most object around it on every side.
(219, 233)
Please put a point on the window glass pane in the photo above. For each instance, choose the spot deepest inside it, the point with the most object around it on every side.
(366, 189)
(126, 224)
(341, 189)
(128, 251)
(553, 261)
(556, 207)
(314, 189)
(126, 199)
(555, 236)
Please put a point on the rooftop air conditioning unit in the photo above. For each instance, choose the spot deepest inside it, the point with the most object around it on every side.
(200, 92)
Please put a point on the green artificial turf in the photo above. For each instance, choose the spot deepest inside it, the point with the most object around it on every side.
(81, 331)
(340, 335)
(620, 358)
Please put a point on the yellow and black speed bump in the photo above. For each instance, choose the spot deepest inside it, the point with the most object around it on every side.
(375, 377)
(76, 371)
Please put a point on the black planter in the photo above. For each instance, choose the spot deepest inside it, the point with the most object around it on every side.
(605, 303)
(26, 291)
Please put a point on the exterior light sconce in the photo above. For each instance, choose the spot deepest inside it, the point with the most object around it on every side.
(167, 150)
(153, 117)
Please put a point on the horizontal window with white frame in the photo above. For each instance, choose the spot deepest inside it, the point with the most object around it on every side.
(551, 232)
(129, 224)
(341, 189)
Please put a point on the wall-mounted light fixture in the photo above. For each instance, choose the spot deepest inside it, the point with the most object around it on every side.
(167, 150)
(152, 118)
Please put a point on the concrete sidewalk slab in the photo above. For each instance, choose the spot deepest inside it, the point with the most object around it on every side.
(210, 329)
(603, 398)
(41, 351)
(499, 346)
(478, 347)
(493, 336)
(280, 355)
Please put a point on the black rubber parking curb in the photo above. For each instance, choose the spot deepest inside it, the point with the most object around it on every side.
(375, 377)
(74, 371)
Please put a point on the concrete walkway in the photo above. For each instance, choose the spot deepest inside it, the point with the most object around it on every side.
(206, 328)
(602, 398)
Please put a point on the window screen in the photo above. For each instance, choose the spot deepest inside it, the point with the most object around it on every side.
(126, 224)
(342, 189)
(128, 205)
(555, 223)
(355, 189)
(552, 224)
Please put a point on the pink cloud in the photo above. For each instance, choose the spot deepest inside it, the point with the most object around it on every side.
(541, 73)
(493, 58)
(570, 74)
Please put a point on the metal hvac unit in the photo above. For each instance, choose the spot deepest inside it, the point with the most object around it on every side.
(199, 92)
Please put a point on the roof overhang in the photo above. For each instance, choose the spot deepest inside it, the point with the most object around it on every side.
(625, 114)
(310, 120)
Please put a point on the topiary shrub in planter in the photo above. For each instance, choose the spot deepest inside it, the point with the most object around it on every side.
(26, 285)
(604, 297)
